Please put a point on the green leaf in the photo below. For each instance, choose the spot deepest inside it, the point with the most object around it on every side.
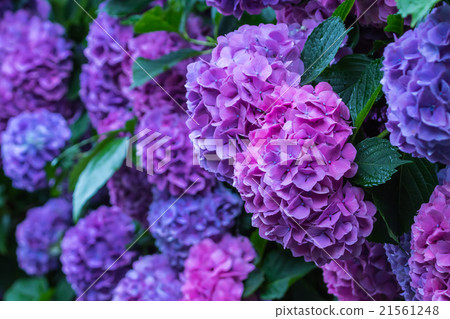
(158, 19)
(418, 9)
(107, 160)
(144, 70)
(281, 270)
(344, 9)
(253, 282)
(344, 75)
(121, 8)
(321, 47)
(29, 289)
(5, 229)
(395, 23)
(79, 128)
(188, 5)
(365, 92)
(259, 244)
(400, 198)
(377, 161)
(63, 291)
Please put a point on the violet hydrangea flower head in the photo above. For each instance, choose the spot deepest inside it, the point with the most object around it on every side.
(93, 245)
(216, 270)
(398, 256)
(430, 247)
(364, 278)
(130, 191)
(190, 220)
(167, 90)
(416, 83)
(172, 166)
(103, 78)
(38, 236)
(245, 66)
(35, 65)
(237, 7)
(30, 141)
(40, 8)
(151, 279)
(291, 175)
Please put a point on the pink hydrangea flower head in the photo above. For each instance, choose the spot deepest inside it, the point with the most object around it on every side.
(216, 270)
(291, 175)
(245, 66)
(430, 247)
(364, 278)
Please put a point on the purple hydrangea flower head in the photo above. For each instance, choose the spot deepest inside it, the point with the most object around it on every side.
(30, 141)
(245, 66)
(362, 278)
(216, 270)
(303, 18)
(131, 192)
(398, 256)
(430, 247)
(166, 90)
(291, 175)
(40, 8)
(39, 234)
(172, 166)
(151, 279)
(35, 65)
(93, 245)
(416, 83)
(374, 15)
(237, 7)
(190, 220)
(103, 78)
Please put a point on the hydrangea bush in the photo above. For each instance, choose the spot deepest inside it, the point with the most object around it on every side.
(173, 150)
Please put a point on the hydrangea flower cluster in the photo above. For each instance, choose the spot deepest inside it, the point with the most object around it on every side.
(130, 191)
(416, 81)
(216, 270)
(291, 176)
(92, 246)
(304, 17)
(103, 78)
(237, 7)
(430, 247)
(29, 79)
(398, 256)
(151, 279)
(172, 165)
(166, 91)
(371, 276)
(245, 66)
(29, 142)
(39, 234)
(191, 219)
(38, 7)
